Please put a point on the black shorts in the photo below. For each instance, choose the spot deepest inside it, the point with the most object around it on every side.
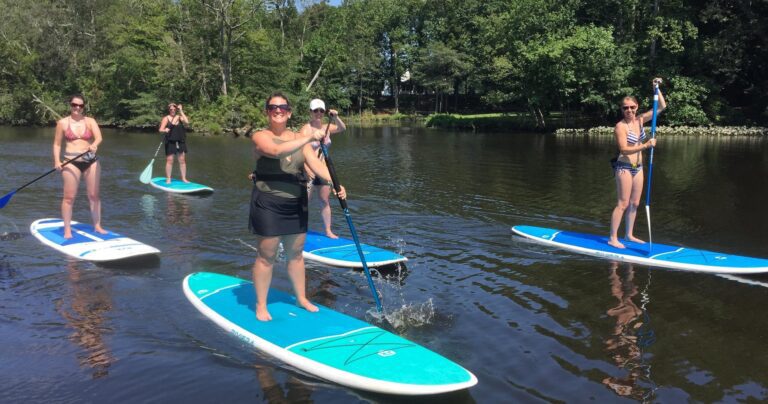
(276, 216)
(172, 147)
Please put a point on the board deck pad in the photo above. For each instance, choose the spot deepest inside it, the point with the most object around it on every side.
(342, 252)
(660, 255)
(327, 344)
(179, 187)
(86, 243)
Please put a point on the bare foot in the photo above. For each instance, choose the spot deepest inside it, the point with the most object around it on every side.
(167, 180)
(262, 314)
(635, 239)
(615, 243)
(100, 230)
(185, 180)
(307, 305)
(67, 234)
(330, 234)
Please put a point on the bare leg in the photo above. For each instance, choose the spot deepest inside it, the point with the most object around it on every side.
(168, 168)
(92, 182)
(325, 210)
(71, 177)
(183, 166)
(262, 273)
(623, 190)
(634, 202)
(294, 244)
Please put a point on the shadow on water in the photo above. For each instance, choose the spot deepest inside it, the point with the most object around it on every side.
(150, 261)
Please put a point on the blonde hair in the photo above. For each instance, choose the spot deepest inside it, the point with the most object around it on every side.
(630, 98)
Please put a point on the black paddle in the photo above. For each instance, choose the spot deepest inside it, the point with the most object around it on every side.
(4, 200)
(343, 202)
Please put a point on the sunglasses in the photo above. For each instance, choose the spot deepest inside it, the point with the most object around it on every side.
(318, 111)
(283, 107)
(76, 105)
(628, 107)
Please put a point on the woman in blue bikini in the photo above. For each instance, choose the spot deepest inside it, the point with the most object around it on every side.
(628, 168)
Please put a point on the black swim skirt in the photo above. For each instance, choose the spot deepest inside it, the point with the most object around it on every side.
(172, 147)
(276, 216)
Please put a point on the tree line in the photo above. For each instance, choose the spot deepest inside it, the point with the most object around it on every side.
(221, 58)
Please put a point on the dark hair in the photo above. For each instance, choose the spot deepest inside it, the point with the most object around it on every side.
(631, 98)
(76, 95)
(276, 94)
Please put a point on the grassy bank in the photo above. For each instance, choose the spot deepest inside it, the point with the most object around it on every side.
(675, 131)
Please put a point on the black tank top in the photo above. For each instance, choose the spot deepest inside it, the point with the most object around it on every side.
(178, 133)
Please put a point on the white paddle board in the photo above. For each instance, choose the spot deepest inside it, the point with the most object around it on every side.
(327, 344)
(179, 187)
(342, 252)
(86, 243)
(659, 255)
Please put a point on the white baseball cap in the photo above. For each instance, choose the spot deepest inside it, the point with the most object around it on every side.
(316, 103)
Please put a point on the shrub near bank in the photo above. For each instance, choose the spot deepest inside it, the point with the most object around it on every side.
(675, 131)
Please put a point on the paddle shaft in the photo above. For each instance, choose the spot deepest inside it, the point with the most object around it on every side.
(650, 164)
(345, 207)
(47, 173)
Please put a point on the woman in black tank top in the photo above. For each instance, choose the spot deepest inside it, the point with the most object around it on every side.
(175, 136)
(278, 202)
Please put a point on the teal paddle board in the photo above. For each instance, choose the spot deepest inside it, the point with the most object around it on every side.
(659, 255)
(179, 187)
(342, 252)
(86, 243)
(327, 344)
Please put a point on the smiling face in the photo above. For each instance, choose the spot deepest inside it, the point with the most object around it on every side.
(278, 109)
(629, 107)
(76, 106)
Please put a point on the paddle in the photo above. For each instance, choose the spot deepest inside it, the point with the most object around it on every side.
(344, 206)
(650, 162)
(4, 200)
(146, 175)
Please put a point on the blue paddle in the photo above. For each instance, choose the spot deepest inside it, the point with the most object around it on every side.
(344, 206)
(650, 163)
(4, 200)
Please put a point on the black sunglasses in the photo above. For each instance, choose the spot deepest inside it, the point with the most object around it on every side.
(319, 110)
(626, 107)
(76, 105)
(284, 107)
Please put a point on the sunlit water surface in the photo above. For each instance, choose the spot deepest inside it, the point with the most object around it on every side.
(533, 323)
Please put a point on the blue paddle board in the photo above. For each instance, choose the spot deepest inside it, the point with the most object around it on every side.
(660, 255)
(326, 344)
(342, 252)
(179, 187)
(86, 243)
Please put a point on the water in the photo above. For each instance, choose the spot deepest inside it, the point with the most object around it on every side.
(533, 323)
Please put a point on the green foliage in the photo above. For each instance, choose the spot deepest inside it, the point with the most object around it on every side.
(221, 58)
(685, 100)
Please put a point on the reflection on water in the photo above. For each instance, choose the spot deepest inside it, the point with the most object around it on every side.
(294, 390)
(90, 301)
(631, 335)
(178, 210)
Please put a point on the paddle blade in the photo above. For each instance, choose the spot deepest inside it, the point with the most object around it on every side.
(4, 200)
(146, 175)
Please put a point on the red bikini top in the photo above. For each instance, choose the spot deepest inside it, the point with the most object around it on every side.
(70, 135)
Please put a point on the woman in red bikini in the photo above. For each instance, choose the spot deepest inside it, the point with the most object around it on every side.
(79, 134)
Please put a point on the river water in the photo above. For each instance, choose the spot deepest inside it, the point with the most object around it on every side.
(532, 323)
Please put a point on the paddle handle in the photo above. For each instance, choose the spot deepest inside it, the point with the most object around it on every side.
(650, 163)
(345, 207)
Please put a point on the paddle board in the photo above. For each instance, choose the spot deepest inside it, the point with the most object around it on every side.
(179, 187)
(661, 255)
(86, 243)
(327, 344)
(342, 252)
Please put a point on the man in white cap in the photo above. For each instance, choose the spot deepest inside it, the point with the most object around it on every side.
(336, 125)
